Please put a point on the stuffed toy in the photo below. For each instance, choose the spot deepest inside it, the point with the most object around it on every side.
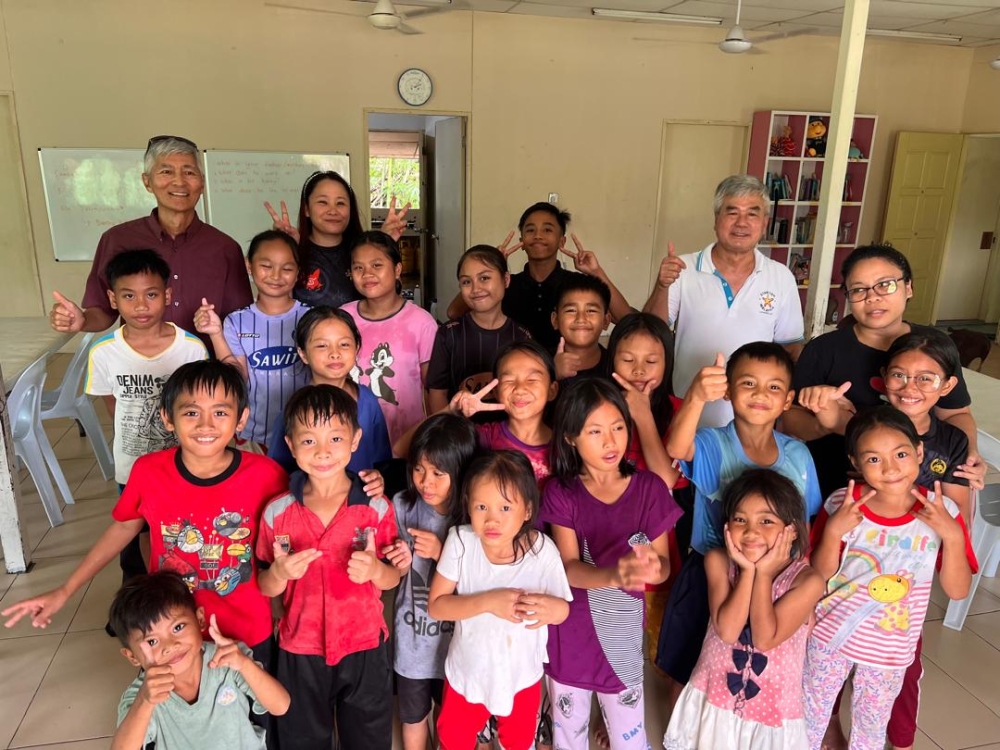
(784, 144)
(816, 139)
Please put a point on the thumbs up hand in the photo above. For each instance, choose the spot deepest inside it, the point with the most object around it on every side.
(291, 567)
(670, 268)
(567, 363)
(711, 384)
(66, 316)
(362, 565)
(206, 319)
(830, 405)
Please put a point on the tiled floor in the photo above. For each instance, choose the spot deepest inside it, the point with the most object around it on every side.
(59, 687)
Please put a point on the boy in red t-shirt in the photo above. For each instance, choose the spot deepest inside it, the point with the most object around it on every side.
(202, 501)
(320, 540)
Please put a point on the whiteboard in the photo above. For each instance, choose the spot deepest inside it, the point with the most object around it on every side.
(90, 190)
(238, 182)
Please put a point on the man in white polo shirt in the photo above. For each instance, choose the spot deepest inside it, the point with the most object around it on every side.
(729, 294)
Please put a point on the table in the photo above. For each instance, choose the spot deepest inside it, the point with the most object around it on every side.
(22, 341)
(985, 393)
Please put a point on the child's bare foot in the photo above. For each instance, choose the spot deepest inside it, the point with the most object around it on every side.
(834, 738)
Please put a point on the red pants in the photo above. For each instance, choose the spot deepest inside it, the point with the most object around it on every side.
(460, 721)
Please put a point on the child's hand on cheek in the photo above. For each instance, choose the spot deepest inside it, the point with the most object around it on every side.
(734, 554)
(777, 558)
(503, 603)
(398, 554)
(935, 515)
(227, 652)
(637, 400)
(849, 514)
(362, 565)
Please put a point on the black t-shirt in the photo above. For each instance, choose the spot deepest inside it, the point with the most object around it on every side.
(945, 448)
(601, 370)
(327, 276)
(463, 353)
(531, 303)
(834, 359)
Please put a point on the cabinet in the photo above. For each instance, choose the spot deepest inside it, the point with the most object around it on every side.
(779, 156)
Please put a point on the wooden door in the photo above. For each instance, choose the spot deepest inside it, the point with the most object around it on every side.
(919, 208)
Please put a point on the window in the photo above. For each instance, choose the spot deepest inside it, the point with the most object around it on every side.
(394, 168)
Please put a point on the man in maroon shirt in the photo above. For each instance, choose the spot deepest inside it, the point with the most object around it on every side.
(203, 261)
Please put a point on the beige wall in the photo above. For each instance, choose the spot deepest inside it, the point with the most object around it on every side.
(557, 105)
(982, 103)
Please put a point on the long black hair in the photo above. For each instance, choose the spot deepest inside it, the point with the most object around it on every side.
(651, 325)
(575, 404)
(351, 231)
(782, 497)
(448, 442)
(873, 418)
(514, 477)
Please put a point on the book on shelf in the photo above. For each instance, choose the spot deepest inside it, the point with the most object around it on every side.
(809, 188)
(805, 229)
(799, 265)
(778, 186)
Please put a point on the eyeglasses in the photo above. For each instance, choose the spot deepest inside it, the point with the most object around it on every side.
(160, 138)
(881, 289)
(896, 380)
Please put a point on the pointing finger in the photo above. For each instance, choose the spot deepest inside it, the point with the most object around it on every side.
(562, 346)
(270, 210)
(624, 383)
(284, 212)
(486, 388)
(839, 393)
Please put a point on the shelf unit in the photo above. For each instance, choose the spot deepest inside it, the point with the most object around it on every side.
(798, 177)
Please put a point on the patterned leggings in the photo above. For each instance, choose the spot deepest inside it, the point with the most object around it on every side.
(624, 714)
(875, 691)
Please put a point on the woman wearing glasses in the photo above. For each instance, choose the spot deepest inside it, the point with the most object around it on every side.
(840, 372)
(329, 224)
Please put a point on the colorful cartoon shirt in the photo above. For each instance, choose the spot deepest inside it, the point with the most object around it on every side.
(389, 360)
(875, 604)
(205, 529)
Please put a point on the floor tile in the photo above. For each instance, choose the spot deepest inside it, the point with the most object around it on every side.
(950, 716)
(984, 601)
(45, 576)
(83, 527)
(25, 661)
(968, 660)
(986, 626)
(82, 687)
(923, 742)
(100, 743)
(92, 614)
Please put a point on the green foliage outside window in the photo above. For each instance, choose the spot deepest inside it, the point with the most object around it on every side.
(389, 176)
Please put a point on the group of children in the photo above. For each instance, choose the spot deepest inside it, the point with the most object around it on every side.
(548, 497)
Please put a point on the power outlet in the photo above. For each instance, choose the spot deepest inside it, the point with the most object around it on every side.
(553, 198)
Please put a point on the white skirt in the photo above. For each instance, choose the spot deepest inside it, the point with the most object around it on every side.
(698, 725)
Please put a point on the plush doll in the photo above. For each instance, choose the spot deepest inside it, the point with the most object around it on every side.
(784, 144)
(816, 139)
(855, 152)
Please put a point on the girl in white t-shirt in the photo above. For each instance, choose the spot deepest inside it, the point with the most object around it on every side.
(877, 543)
(397, 336)
(502, 582)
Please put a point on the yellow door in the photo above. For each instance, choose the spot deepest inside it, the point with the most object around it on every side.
(919, 207)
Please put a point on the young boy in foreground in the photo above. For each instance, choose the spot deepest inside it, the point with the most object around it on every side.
(190, 694)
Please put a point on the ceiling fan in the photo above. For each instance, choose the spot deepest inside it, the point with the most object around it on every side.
(736, 42)
(383, 16)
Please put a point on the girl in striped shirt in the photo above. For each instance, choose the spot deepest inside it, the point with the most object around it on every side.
(877, 543)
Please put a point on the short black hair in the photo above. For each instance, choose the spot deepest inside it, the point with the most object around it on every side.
(935, 344)
(144, 600)
(315, 316)
(527, 346)
(317, 404)
(385, 243)
(878, 416)
(134, 262)
(273, 235)
(204, 375)
(875, 251)
(761, 351)
(562, 217)
(783, 498)
(449, 442)
(575, 404)
(581, 282)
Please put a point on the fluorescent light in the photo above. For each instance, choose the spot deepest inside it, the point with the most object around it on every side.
(922, 35)
(643, 15)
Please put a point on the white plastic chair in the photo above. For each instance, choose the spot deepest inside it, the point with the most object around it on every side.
(31, 444)
(69, 400)
(986, 545)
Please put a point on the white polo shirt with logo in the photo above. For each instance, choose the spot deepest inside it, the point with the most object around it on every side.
(709, 318)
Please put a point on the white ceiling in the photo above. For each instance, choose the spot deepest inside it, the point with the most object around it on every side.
(976, 21)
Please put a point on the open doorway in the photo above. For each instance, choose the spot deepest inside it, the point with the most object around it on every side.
(969, 287)
(421, 159)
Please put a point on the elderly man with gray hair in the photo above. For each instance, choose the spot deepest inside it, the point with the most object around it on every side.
(203, 261)
(728, 294)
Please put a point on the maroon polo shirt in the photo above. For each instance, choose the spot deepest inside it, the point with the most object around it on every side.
(204, 262)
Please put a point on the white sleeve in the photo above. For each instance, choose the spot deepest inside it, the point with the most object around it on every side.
(789, 327)
(674, 293)
(449, 564)
(98, 381)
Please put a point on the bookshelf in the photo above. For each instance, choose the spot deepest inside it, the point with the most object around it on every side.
(794, 179)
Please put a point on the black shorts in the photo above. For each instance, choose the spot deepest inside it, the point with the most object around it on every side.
(416, 697)
(685, 621)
